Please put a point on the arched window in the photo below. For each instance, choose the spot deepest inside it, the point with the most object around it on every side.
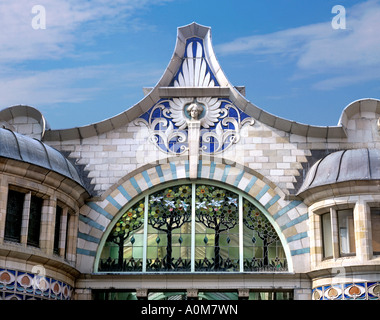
(192, 228)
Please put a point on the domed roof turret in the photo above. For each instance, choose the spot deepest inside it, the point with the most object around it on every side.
(341, 166)
(16, 146)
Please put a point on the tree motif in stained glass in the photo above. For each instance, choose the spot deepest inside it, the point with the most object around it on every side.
(265, 242)
(129, 222)
(217, 209)
(170, 209)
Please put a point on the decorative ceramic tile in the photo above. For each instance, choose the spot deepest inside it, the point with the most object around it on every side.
(348, 291)
(19, 285)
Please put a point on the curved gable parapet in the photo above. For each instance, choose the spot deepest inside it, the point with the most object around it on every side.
(289, 126)
(194, 71)
(164, 87)
(367, 107)
(16, 117)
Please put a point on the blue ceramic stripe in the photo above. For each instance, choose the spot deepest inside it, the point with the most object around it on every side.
(199, 172)
(296, 237)
(124, 193)
(187, 168)
(284, 210)
(272, 201)
(147, 179)
(86, 252)
(114, 202)
(91, 222)
(173, 168)
(225, 173)
(100, 210)
(212, 170)
(160, 174)
(135, 184)
(299, 251)
(295, 221)
(262, 192)
(238, 178)
(250, 184)
(87, 237)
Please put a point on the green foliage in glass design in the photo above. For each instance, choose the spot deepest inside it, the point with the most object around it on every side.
(256, 221)
(217, 209)
(130, 221)
(169, 209)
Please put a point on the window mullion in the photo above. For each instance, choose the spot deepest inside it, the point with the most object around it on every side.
(241, 239)
(145, 243)
(25, 218)
(334, 233)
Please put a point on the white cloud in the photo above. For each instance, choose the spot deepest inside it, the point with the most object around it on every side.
(345, 56)
(282, 42)
(71, 85)
(43, 87)
(68, 23)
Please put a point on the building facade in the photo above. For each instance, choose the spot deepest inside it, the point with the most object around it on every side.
(192, 193)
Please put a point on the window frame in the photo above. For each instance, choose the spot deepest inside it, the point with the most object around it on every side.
(333, 210)
(322, 228)
(374, 208)
(24, 233)
(10, 226)
(34, 221)
(341, 253)
(57, 228)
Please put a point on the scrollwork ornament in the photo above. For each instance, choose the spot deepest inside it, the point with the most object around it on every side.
(221, 123)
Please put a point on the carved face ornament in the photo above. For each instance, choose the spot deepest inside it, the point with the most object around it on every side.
(207, 110)
(194, 110)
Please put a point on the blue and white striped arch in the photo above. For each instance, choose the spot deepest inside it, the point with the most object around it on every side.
(289, 217)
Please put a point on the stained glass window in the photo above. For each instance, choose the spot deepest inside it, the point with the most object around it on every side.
(217, 219)
(192, 228)
(123, 249)
(169, 216)
(262, 246)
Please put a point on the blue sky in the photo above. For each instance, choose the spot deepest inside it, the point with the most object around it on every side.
(94, 57)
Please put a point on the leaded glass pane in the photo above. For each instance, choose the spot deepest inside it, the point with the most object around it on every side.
(169, 230)
(123, 250)
(217, 231)
(262, 246)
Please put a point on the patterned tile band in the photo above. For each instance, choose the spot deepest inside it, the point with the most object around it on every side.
(20, 285)
(348, 291)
